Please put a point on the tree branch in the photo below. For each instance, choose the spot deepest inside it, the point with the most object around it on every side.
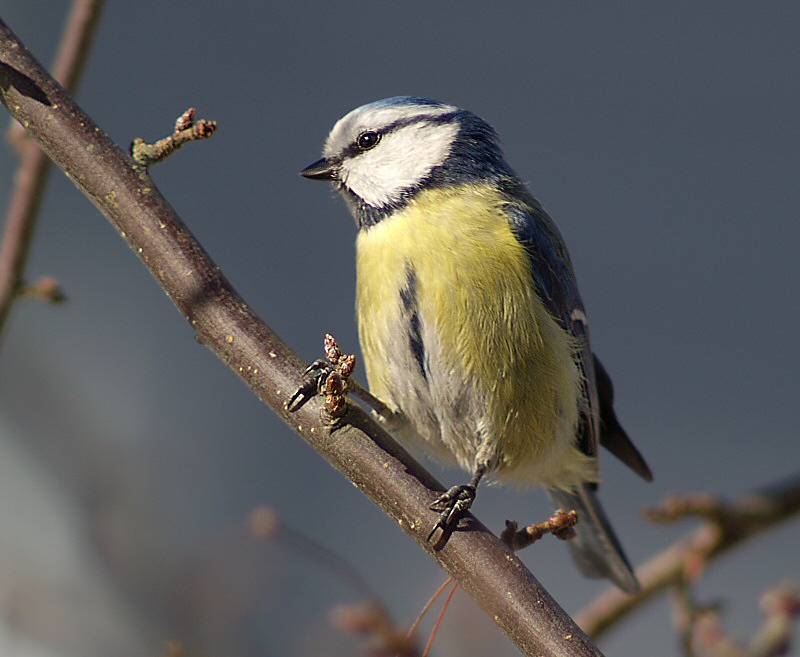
(727, 525)
(359, 448)
(32, 173)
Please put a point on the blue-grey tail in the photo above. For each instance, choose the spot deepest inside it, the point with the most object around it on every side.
(595, 548)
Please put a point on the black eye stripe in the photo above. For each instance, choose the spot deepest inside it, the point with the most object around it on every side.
(372, 137)
(355, 147)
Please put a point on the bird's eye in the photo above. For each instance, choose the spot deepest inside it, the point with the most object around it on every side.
(367, 140)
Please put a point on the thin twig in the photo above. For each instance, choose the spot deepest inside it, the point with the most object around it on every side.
(561, 525)
(727, 525)
(46, 288)
(186, 130)
(426, 608)
(439, 619)
(31, 176)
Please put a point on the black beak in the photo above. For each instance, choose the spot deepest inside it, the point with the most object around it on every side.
(324, 169)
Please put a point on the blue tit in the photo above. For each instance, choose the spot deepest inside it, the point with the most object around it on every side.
(471, 326)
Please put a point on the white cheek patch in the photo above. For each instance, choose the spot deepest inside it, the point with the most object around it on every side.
(401, 160)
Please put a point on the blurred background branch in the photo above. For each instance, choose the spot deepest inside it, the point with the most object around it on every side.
(701, 632)
(31, 176)
(726, 526)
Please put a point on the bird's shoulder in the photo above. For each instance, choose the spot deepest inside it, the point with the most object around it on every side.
(547, 255)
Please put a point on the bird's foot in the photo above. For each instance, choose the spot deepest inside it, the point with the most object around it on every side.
(453, 505)
(328, 378)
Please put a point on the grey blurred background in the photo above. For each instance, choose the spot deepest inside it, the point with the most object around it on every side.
(662, 138)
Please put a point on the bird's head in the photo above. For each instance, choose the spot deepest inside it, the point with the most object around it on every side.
(381, 154)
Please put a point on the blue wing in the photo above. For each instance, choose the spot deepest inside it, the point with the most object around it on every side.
(557, 288)
(556, 285)
(596, 549)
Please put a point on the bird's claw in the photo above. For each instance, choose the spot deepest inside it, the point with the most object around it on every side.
(453, 504)
(314, 378)
(328, 378)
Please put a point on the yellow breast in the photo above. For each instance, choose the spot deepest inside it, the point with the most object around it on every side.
(476, 298)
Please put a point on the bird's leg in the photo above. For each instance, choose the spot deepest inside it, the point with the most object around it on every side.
(391, 419)
(456, 502)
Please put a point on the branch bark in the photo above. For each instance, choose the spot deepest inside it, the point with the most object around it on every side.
(360, 449)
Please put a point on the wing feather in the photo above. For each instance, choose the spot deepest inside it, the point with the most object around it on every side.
(558, 289)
